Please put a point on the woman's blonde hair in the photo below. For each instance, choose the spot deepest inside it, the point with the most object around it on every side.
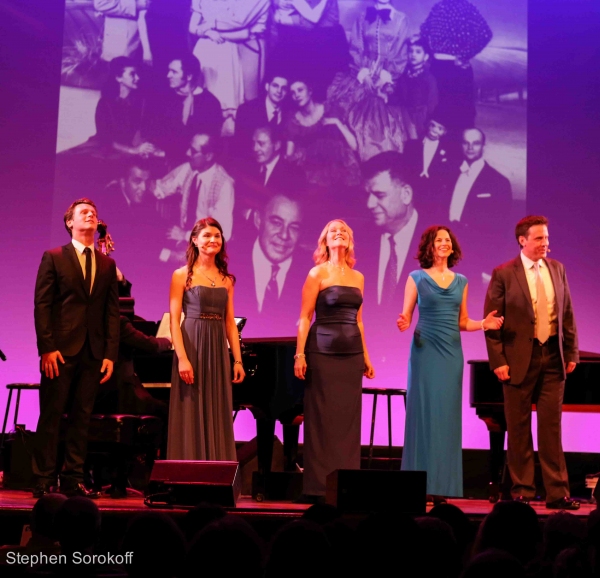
(321, 254)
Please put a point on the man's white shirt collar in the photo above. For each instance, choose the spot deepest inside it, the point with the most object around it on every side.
(262, 272)
(528, 263)
(80, 246)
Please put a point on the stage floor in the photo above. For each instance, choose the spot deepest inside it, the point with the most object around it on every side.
(13, 501)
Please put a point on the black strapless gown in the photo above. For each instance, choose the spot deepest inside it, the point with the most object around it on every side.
(332, 398)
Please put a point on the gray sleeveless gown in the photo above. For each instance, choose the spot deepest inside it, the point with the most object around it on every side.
(332, 397)
(200, 414)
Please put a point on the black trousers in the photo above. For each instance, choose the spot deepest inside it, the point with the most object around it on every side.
(72, 392)
(544, 386)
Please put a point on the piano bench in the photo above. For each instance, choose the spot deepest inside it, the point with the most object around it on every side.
(389, 393)
(19, 387)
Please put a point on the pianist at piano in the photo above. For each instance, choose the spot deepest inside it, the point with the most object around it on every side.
(532, 354)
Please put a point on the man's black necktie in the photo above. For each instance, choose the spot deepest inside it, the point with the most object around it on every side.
(272, 291)
(87, 282)
(390, 277)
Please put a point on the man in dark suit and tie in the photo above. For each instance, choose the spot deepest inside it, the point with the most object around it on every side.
(268, 175)
(390, 200)
(479, 208)
(531, 355)
(271, 269)
(262, 111)
(431, 160)
(387, 254)
(77, 328)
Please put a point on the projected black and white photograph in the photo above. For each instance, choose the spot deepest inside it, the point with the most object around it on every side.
(274, 117)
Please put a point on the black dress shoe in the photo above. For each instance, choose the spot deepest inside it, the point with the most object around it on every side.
(563, 504)
(80, 490)
(40, 490)
(522, 499)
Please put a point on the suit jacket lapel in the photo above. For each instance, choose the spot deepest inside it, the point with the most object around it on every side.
(71, 256)
(558, 289)
(522, 279)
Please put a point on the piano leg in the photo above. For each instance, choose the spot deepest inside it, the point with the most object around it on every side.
(290, 446)
(496, 464)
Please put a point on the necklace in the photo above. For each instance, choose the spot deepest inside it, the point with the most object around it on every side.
(343, 269)
(212, 281)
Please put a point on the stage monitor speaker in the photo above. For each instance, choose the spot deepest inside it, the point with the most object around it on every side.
(187, 483)
(377, 491)
(16, 459)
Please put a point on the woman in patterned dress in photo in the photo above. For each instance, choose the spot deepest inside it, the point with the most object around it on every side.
(200, 410)
(378, 59)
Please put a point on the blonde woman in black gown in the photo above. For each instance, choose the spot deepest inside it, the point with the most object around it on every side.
(200, 412)
(332, 356)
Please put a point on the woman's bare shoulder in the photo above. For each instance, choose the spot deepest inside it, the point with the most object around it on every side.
(180, 273)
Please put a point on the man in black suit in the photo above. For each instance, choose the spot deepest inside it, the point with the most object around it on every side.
(430, 160)
(259, 112)
(270, 269)
(77, 328)
(531, 355)
(479, 208)
(387, 254)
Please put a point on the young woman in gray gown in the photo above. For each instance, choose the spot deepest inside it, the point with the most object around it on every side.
(332, 356)
(200, 413)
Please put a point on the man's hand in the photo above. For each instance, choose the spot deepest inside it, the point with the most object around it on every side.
(570, 366)
(49, 363)
(107, 369)
(502, 373)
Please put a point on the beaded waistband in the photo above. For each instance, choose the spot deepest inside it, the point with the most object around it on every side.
(216, 316)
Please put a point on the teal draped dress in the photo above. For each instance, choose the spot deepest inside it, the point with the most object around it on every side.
(433, 429)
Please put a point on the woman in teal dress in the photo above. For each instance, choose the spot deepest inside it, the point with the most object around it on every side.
(433, 437)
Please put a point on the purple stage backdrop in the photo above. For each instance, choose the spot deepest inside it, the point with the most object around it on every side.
(107, 105)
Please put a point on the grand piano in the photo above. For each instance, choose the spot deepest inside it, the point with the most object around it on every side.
(582, 394)
(270, 392)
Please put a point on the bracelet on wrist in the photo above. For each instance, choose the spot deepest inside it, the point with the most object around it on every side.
(299, 356)
(482, 326)
(236, 361)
